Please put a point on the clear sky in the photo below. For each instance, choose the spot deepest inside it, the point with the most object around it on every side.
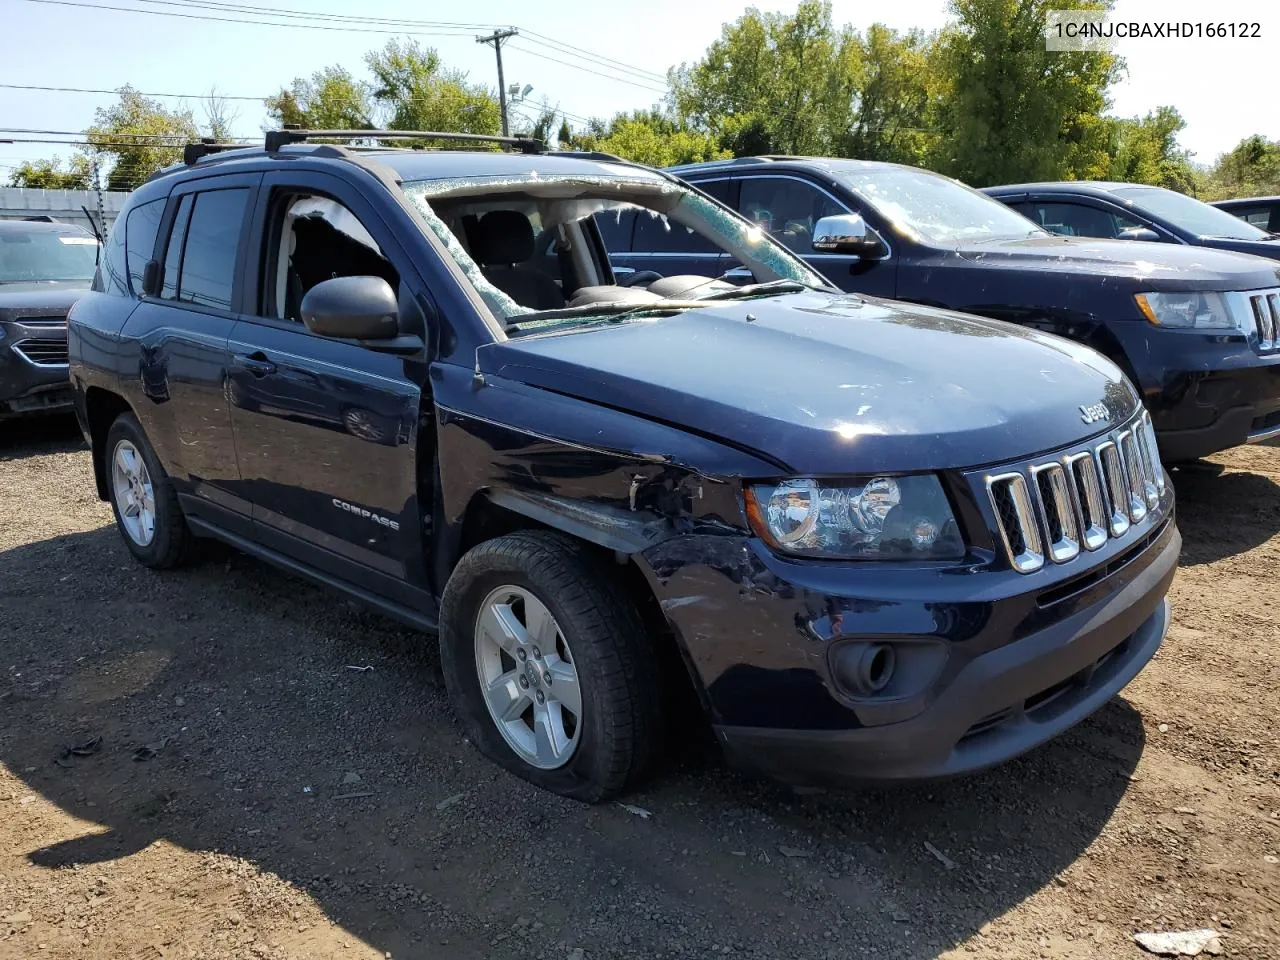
(1224, 88)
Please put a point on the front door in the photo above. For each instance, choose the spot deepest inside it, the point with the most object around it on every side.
(789, 207)
(326, 430)
(641, 242)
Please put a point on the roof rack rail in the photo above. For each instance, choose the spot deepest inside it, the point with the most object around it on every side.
(588, 155)
(276, 139)
(193, 152)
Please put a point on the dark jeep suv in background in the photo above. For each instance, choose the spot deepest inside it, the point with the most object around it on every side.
(1194, 329)
(44, 269)
(877, 541)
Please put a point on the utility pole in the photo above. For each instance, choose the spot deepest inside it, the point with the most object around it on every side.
(496, 39)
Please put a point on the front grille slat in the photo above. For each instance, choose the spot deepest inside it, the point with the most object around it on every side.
(1133, 472)
(42, 323)
(1018, 525)
(1265, 308)
(1116, 486)
(1057, 511)
(42, 351)
(1076, 502)
(1089, 500)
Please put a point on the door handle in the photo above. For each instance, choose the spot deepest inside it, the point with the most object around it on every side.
(255, 363)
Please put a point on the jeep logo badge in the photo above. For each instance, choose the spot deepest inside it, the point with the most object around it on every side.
(1094, 412)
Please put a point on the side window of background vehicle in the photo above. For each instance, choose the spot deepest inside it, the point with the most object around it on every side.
(1077, 219)
(199, 265)
(789, 209)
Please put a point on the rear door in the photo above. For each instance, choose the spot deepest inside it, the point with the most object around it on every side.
(181, 331)
(639, 241)
(326, 429)
(789, 207)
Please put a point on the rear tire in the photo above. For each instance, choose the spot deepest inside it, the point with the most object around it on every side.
(142, 498)
(494, 629)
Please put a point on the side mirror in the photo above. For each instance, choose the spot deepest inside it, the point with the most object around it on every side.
(352, 308)
(1138, 233)
(847, 233)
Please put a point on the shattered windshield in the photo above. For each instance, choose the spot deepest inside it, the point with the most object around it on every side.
(528, 246)
(933, 207)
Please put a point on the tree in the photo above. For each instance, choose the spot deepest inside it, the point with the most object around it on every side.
(332, 99)
(894, 86)
(51, 175)
(1146, 150)
(219, 116)
(765, 85)
(1014, 110)
(141, 135)
(774, 83)
(1250, 169)
(650, 137)
(414, 91)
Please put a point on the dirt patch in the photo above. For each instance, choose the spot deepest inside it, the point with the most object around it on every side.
(253, 797)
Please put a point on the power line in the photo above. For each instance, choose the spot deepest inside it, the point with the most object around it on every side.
(578, 66)
(261, 23)
(541, 38)
(443, 30)
(535, 37)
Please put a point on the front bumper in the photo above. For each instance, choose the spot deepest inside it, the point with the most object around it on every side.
(28, 382)
(1206, 392)
(1026, 657)
(1046, 684)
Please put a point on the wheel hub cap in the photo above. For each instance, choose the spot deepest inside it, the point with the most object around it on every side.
(133, 493)
(527, 677)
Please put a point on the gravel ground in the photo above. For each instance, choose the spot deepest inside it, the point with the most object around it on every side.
(190, 767)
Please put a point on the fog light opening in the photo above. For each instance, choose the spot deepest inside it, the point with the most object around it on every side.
(875, 667)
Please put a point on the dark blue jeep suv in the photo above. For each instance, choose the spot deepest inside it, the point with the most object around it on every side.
(876, 541)
(1198, 331)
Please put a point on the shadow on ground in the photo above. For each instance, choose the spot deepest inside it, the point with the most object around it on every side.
(1223, 514)
(239, 678)
(30, 436)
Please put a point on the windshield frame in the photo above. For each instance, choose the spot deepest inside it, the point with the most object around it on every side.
(845, 174)
(1135, 196)
(419, 194)
(50, 241)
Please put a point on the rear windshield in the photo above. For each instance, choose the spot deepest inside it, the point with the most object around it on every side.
(1188, 213)
(41, 255)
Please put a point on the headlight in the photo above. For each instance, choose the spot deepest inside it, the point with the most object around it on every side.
(881, 518)
(1206, 311)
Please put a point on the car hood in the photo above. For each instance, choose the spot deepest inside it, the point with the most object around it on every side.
(48, 299)
(1259, 248)
(833, 385)
(1149, 265)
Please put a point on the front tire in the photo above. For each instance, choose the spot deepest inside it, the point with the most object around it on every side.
(548, 666)
(143, 500)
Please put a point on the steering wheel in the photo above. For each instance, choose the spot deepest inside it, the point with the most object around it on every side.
(641, 278)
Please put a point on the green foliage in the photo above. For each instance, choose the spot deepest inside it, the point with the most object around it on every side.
(332, 99)
(774, 83)
(648, 136)
(51, 175)
(1145, 150)
(1015, 111)
(413, 91)
(141, 135)
(1250, 169)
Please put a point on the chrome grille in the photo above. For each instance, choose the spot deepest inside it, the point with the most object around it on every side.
(42, 323)
(1059, 507)
(42, 351)
(1265, 307)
